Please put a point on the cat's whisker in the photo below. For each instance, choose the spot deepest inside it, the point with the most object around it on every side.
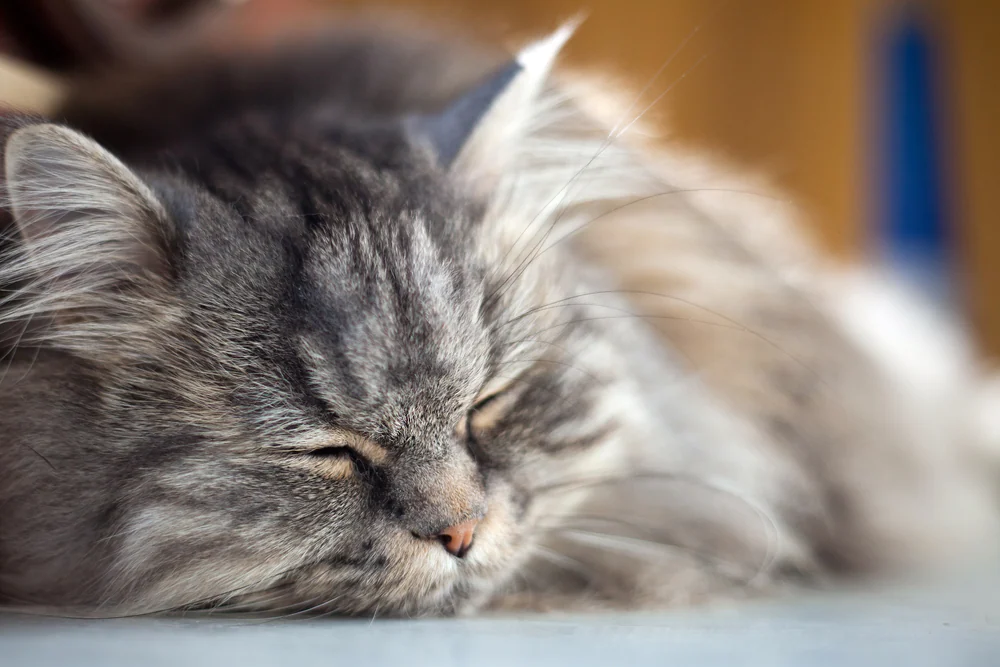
(675, 318)
(300, 608)
(569, 304)
(46, 610)
(587, 527)
(647, 198)
(501, 265)
(562, 560)
(554, 362)
(611, 138)
(768, 523)
(644, 549)
(533, 387)
(728, 324)
(571, 300)
(663, 67)
(535, 341)
(12, 353)
(253, 602)
(264, 585)
(332, 611)
(39, 455)
(274, 590)
(120, 533)
(660, 97)
(643, 533)
(589, 481)
(539, 246)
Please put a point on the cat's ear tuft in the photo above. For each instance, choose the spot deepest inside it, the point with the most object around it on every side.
(80, 211)
(473, 136)
(451, 129)
(91, 261)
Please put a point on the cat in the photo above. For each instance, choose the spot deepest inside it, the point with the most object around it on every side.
(391, 325)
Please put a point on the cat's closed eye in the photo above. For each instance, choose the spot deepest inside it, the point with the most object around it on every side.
(332, 462)
(332, 452)
(483, 417)
(349, 454)
(339, 461)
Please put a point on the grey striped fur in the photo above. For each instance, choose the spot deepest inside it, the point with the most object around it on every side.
(265, 339)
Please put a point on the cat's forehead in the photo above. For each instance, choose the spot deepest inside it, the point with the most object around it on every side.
(391, 320)
(358, 259)
(347, 203)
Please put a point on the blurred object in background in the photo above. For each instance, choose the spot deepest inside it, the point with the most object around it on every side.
(880, 126)
(75, 35)
(912, 230)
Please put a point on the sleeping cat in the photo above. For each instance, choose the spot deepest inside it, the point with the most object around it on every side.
(390, 325)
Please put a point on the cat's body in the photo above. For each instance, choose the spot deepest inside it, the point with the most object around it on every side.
(303, 339)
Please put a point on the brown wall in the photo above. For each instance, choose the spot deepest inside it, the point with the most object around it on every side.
(972, 28)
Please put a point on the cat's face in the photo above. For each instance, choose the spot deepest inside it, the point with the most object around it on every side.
(364, 380)
(325, 375)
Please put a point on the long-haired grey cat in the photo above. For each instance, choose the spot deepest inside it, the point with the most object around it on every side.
(389, 326)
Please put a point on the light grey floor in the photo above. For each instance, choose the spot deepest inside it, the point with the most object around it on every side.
(954, 627)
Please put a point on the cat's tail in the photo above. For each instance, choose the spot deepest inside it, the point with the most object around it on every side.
(948, 407)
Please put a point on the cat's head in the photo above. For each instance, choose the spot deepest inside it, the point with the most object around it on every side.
(329, 364)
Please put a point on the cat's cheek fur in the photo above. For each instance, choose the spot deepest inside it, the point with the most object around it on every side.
(218, 566)
(407, 576)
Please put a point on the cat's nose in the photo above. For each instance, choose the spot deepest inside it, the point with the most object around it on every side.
(457, 539)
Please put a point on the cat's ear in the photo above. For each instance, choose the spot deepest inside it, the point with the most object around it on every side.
(64, 189)
(91, 231)
(474, 135)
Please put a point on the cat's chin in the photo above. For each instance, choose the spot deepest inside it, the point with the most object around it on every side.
(466, 585)
(418, 578)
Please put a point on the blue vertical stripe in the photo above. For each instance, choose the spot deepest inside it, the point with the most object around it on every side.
(913, 231)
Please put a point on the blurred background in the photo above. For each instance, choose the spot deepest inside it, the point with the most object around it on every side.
(880, 117)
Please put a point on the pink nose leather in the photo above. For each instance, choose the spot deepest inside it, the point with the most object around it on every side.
(457, 539)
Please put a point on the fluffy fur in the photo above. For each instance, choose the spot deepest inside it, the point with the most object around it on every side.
(264, 344)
